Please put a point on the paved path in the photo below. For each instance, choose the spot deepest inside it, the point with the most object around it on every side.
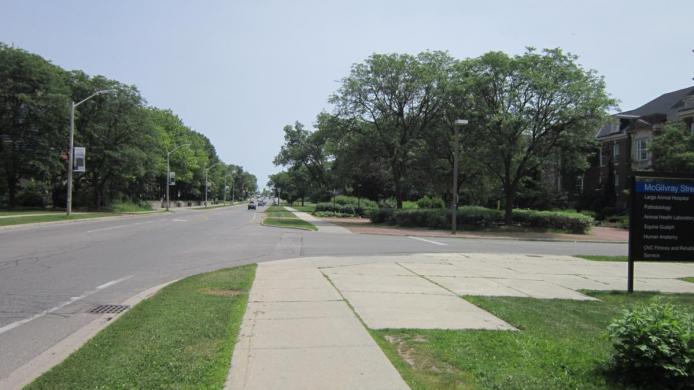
(306, 318)
(323, 226)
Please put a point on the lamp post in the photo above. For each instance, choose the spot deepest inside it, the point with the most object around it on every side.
(207, 170)
(456, 144)
(168, 173)
(71, 151)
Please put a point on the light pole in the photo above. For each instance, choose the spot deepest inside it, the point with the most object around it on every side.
(168, 173)
(206, 170)
(71, 151)
(456, 144)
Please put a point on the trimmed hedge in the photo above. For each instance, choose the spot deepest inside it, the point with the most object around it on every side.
(345, 209)
(481, 217)
(431, 203)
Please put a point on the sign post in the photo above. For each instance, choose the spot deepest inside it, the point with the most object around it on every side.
(661, 219)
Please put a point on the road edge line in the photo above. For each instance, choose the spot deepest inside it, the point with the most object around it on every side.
(54, 355)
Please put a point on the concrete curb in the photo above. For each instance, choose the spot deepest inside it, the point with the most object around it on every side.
(96, 219)
(36, 367)
(500, 238)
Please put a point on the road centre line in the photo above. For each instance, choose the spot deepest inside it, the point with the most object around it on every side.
(15, 324)
(119, 226)
(429, 241)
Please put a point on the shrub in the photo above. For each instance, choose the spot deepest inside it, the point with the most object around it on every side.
(481, 217)
(654, 344)
(353, 200)
(123, 206)
(431, 203)
(347, 209)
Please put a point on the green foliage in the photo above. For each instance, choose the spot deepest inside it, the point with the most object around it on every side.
(431, 203)
(673, 149)
(353, 200)
(124, 206)
(654, 344)
(345, 209)
(126, 141)
(480, 217)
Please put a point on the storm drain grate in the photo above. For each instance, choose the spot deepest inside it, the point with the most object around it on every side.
(109, 309)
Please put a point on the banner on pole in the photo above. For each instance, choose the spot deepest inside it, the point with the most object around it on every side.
(79, 162)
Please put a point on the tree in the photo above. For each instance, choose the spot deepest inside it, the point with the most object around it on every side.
(527, 106)
(673, 149)
(392, 99)
(33, 118)
(304, 152)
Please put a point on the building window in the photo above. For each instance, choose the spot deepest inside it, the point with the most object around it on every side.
(615, 152)
(642, 152)
(616, 180)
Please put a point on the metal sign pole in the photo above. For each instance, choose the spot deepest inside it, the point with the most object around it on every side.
(632, 240)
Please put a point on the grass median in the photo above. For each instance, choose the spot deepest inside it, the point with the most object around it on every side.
(560, 344)
(279, 216)
(183, 337)
(20, 218)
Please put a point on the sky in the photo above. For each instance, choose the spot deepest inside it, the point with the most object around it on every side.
(239, 71)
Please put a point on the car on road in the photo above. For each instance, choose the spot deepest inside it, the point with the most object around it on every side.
(251, 205)
(261, 202)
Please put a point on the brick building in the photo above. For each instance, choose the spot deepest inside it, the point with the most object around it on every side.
(624, 144)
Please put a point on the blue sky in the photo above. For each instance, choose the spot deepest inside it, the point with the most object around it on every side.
(238, 71)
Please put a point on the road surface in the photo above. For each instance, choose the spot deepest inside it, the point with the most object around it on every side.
(50, 275)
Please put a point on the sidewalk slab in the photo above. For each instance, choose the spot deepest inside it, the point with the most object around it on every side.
(323, 226)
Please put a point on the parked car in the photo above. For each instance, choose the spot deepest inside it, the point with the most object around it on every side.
(251, 205)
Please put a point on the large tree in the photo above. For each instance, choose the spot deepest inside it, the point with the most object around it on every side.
(526, 106)
(392, 100)
(33, 118)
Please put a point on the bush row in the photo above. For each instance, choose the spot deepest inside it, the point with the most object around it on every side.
(346, 209)
(481, 217)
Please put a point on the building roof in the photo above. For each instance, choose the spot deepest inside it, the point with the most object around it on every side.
(666, 105)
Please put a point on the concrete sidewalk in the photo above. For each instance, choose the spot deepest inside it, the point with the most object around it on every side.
(323, 226)
(305, 326)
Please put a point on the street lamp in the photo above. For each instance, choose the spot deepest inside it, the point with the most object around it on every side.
(71, 151)
(168, 173)
(206, 170)
(456, 144)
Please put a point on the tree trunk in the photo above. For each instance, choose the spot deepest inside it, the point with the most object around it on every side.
(12, 191)
(508, 211)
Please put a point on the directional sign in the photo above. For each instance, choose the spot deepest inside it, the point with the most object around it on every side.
(79, 160)
(661, 221)
(172, 178)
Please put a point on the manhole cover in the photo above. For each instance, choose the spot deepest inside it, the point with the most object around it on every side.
(108, 309)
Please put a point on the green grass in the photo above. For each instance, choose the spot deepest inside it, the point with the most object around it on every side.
(602, 258)
(181, 338)
(688, 279)
(57, 216)
(561, 345)
(279, 216)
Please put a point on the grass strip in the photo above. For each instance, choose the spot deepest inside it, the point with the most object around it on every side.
(602, 258)
(278, 216)
(183, 337)
(20, 220)
(561, 344)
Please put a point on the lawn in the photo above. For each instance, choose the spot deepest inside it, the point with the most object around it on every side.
(306, 208)
(183, 337)
(7, 219)
(561, 344)
(279, 216)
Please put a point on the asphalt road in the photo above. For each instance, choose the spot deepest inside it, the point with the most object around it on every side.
(50, 275)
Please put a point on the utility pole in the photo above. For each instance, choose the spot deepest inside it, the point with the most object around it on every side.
(168, 173)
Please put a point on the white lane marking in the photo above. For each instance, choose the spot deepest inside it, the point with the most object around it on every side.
(429, 241)
(253, 219)
(118, 227)
(179, 220)
(13, 325)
